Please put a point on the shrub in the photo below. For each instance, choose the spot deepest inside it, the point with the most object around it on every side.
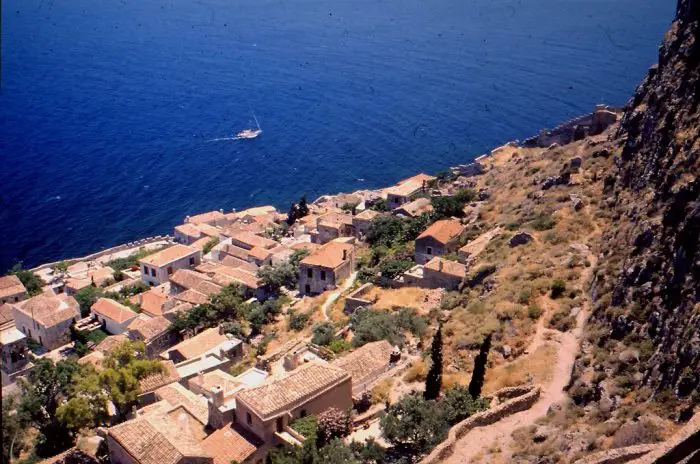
(297, 321)
(333, 423)
(447, 207)
(543, 222)
(382, 390)
(562, 321)
(367, 274)
(462, 404)
(31, 281)
(418, 372)
(322, 333)
(643, 431)
(558, 288)
(534, 312)
(392, 268)
(338, 346)
(210, 244)
(307, 426)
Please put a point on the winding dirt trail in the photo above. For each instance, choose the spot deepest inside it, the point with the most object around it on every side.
(479, 439)
(335, 295)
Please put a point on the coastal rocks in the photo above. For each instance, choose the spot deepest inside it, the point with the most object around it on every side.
(468, 170)
(520, 238)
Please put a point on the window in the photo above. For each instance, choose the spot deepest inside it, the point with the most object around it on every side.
(145, 269)
(307, 288)
(153, 272)
(302, 413)
(170, 270)
(309, 273)
(429, 250)
(192, 261)
(323, 275)
(41, 342)
(249, 418)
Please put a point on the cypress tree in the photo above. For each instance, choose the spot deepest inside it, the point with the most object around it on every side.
(433, 382)
(303, 207)
(293, 214)
(479, 373)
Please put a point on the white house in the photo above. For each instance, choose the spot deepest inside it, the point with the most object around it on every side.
(158, 267)
(115, 317)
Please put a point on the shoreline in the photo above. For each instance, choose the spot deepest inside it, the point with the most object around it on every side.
(559, 135)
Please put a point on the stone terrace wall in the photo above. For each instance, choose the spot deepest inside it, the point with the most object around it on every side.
(520, 403)
(355, 300)
(108, 251)
(678, 447)
(618, 455)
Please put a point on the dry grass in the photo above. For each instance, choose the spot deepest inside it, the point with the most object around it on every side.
(388, 298)
(536, 368)
(382, 390)
(417, 372)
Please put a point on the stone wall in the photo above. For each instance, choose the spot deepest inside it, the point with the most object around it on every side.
(576, 128)
(618, 455)
(678, 447)
(356, 300)
(527, 398)
(108, 251)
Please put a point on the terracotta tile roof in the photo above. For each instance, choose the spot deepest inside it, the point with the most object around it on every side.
(200, 343)
(416, 207)
(260, 253)
(230, 444)
(238, 227)
(232, 261)
(208, 288)
(160, 379)
(366, 361)
(188, 279)
(95, 358)
(175, 394)
(252, 240)
(168, 255)
(200, 243)
(225, 275)
(152, 301)
(188, 230)
(113, 310)
(6, 316)
(278, 395)
(306, 246)
(77, 284)
(213, 378)
(11, 285)
(192, 296)
(406, 189)
(111, 342)
(256, 211)
(211, 216)
(330, 255)
(443, 231)
(477, 245)
(208, 230)
(335, 220)
(101, 275)
(236, 251)
(49, 310)
(448, 267)
(147, 328)
(368, 215)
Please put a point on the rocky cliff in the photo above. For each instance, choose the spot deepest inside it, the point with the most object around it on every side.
(648, 287)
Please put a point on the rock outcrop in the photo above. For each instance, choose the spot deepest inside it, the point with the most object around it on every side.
(651, 288)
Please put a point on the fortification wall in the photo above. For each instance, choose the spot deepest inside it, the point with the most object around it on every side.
(618, 455)
(519, 403)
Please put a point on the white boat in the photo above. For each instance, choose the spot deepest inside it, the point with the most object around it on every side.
(250, 133)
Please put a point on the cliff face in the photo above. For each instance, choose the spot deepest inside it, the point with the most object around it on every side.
(654, 245)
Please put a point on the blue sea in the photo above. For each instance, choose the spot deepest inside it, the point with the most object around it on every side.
(110, 110)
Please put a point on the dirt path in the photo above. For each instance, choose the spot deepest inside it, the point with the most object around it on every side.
(478, 440)
(335, 295)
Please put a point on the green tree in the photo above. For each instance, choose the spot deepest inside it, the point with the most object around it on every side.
(302, 207)
(337, 453)
(31, 281)
(433, 382)
(210, 245)
(86, 297)
(285, 274)
(447, 207)
(297, 321)
(385, 230)
(87, 406)
(322, 333)
(460, 404)
(14, 429)
(477, 382)
(392, 268)
(380, 205)
(292, 214)
(227, 303)
(415, 423)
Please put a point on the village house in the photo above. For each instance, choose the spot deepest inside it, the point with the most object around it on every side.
(15, 353)
(362, 221)
(213, 218)
(149, 384)
(47, 318)
(158, 267)
(73, 285)
(407, 190)
(323, 268)
(186, 233)
(443, 273)
(471, 250)
(332, 226)
(441, 238)
(114, 316)
(268, 409)
(233, 444)
(153, 301)
(367, 363)
(101, 276)
(153, 332)
(211, 340)
(12, 290)
(185, 279)
(248, 241)
(414, 208)
(225, 275)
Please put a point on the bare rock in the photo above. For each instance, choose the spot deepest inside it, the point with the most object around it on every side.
(521, 238)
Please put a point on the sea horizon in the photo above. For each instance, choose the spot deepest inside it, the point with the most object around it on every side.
(116, 116)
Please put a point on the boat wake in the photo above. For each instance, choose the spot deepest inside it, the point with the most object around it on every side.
(220, 139)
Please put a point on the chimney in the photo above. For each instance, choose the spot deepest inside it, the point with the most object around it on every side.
(217, 395)
(201, 379)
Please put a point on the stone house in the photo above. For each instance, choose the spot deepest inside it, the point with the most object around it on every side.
(114, 316)
(407, 190)
(363, 220)
(414, 208)
(322, 269)
(249, 240)
(212, 218)
(267, 410)
(15, 354)
(153, 332)
(441, 238)
(208, 341)
(332, 226)
(367, 364)
(12, 290)
(224, 275)
(47, 318)
(443, 273)
(158, 267)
